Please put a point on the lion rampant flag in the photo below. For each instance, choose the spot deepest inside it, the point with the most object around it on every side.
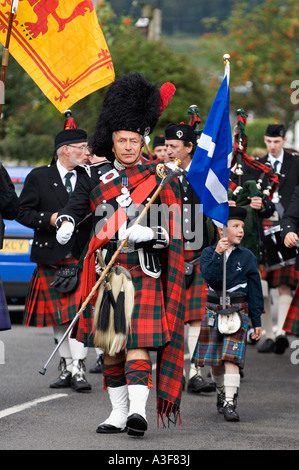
(60, 45)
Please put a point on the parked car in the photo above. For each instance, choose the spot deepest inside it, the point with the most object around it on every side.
(15, 266)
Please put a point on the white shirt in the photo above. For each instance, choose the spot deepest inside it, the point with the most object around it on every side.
(63, 171)
(279, 159)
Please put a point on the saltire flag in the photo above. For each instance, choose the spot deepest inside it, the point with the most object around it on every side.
(60, 45)
(210, 167)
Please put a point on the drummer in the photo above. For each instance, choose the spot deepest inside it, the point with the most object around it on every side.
(284, 278)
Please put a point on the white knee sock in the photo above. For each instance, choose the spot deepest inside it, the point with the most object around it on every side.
(78, 351)
(64, 350)
(284, 302)
(219, 382)
(193, 335)
(267, 316)
(138, 395)
(231, 385)
(119, 401)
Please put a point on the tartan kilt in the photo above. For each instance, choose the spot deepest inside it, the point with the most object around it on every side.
(291, 324)
(213, 348)
(286, 275)
(44, 305)
(5, 323)
(149, 327)
(196, 293)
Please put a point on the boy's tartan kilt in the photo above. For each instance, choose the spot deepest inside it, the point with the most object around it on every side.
(213, 348)
(44, 305)
(196, 293)
(149, 327)
(291, 324)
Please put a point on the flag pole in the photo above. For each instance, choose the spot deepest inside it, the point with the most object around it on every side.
(13, 11)
(226, 60)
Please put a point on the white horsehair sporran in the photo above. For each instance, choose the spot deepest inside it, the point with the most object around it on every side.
(113, 310)
(229, 321)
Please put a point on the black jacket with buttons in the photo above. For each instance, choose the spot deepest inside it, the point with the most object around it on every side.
(43, 194)
(9, 201)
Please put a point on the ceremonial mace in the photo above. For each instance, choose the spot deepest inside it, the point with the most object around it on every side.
(167, 172)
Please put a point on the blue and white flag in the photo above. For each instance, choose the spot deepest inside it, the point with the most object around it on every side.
(210, 167)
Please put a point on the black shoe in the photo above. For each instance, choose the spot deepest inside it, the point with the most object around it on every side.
(109, 429)
(220, 402)
(78, 381)
(132, 432)
(64, 380)
(97, 367)
(136, 425)
(267, 346)
(197, 385)
(230, 413)
(281, 344)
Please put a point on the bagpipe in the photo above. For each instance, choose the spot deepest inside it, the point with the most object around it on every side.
(267, 244)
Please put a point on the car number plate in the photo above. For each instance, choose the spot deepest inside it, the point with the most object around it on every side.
(11, 245)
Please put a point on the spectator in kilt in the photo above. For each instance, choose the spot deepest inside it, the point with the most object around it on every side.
(153, 258)
(9, 204)
(225, 353)
(290, 228)
(285, 278)
(46, 190)
(180, 142)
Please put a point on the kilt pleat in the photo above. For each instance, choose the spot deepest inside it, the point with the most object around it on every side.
(291, 324)
(196, 297)
(214, 348)
(286, 275)
(44, 305)
(196, 293)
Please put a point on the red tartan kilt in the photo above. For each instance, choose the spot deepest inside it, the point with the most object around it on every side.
(44, 305)
(282, 276)
(196, 293)
(196, 297)
(149, 328)
(291, 324)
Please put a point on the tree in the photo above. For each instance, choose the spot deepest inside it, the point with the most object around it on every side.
(263, 45)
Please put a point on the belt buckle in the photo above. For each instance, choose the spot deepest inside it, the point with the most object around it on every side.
(128, 248)
(227, 300)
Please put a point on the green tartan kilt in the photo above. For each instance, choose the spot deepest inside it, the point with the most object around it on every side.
(214, 348)
(44, 305)
(149, 327)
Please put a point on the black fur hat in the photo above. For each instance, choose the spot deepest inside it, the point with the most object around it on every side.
(131, 103)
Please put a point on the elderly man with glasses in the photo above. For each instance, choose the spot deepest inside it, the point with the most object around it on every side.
(46, 190)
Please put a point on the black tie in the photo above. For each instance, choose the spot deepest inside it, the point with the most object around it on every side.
(276, 163)
(68, 184)
(184, 181)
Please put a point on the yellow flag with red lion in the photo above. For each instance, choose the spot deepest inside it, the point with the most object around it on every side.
(60, 45)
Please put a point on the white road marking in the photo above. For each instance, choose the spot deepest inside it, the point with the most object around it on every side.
(30, 404)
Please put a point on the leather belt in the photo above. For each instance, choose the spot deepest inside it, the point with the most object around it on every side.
(230, 299)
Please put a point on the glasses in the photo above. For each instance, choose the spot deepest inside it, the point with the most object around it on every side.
(83, 148)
